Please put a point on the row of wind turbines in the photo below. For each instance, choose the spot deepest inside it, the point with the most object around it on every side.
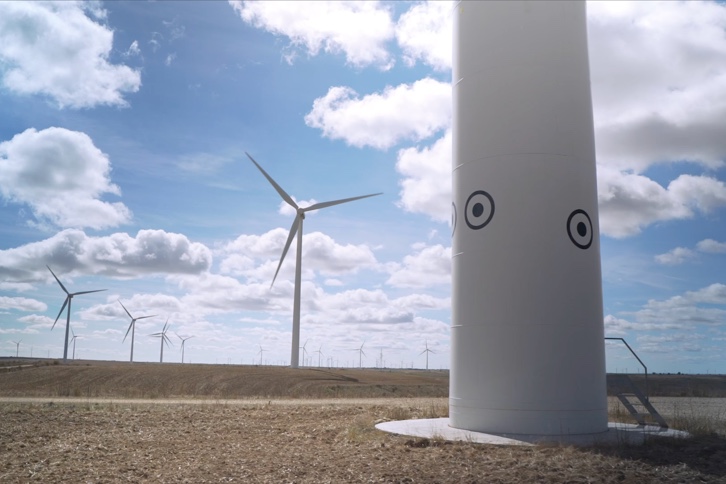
(296, 230)
(132, 327)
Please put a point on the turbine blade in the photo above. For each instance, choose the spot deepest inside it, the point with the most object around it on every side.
(144, 317)
(87, 292)
(127, 311)
(127, 331)
(320, 205)
(56, 278)
(60, 312)
(293, 231)
(277, 187)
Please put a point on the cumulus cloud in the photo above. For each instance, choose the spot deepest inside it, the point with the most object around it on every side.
(629, 201)
(711, 246)
(22, 304)
(675, 256)
(61, 175)
(72, 252)
(426, 183)
(424, 32)
(381, 120)
(668, 96)
(55, 49)
(429, 266)
(683, 254)
(320, 254)
(359, 30)
(704, 306)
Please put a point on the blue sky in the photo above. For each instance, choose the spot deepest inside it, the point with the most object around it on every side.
(122, 139)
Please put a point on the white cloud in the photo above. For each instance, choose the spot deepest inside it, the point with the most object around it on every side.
(405, 112)
(693, 307)
(711, 246)
(675, 256)
(55, 49)
(61, 175)
(133, 50)
(359, 30)
(659, 82)
(22, 304)
(430, 266)
(286, 209)
(425, 32)
(169, 59)
(629, 202)
(426, 183)
(320, 254)
(117, 255)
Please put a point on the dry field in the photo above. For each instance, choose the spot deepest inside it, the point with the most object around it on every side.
(294, 438)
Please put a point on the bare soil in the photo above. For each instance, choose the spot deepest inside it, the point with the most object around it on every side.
(204, 437)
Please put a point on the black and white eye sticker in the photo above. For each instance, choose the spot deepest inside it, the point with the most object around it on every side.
(453, 218)
(579, 228)
(479, 210)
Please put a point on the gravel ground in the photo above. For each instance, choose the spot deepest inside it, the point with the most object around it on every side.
(299, 441)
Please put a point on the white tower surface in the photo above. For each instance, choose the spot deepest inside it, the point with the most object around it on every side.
(528, 354)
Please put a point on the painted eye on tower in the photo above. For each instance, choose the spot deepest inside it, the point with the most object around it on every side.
(479, 210)
(579, 228)
(453, 218)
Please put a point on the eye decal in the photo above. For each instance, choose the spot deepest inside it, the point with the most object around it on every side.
(479, 210)
(453, 218)
(579, 228)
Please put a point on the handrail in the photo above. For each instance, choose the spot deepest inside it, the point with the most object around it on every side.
(639, 361)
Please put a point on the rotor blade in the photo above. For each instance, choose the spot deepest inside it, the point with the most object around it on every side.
(144, 317)
(87, 292)
(177, 335)
(60, 312)
(59, 282)
(163, 331)
(279, 189)
(320, 205)
(127, 331)
(293, 231)
(127, 311)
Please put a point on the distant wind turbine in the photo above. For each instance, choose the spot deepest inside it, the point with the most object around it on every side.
(261, 353)
(427, 351)
(297, 229)
(132, 328)
(183, 340)
(67, 302)
(164, 339)
(320, 354)
(17, 347)
(361, 354)
(305, 352)
(73, 340)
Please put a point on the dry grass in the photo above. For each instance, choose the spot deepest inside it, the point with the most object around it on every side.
(302, 440)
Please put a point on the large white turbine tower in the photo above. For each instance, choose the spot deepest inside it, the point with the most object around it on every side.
(67, 302)
(297, 229)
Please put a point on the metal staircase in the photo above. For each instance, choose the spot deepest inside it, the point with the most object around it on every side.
(635, 402)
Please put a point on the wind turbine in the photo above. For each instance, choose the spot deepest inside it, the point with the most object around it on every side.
(132, 328)
(297, 229)
(427, 351)
(17, 347)
(164, 339)
(260, 353)
(320, 354)
(73, 340)
(69, 298)
(183, 340)
(361, 354)
(305, 351)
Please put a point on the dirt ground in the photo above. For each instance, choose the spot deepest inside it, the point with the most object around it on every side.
(305, 442)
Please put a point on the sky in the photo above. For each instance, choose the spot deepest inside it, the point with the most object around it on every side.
(123, 132)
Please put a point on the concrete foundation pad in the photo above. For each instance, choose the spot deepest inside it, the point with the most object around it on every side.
(617, 433)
